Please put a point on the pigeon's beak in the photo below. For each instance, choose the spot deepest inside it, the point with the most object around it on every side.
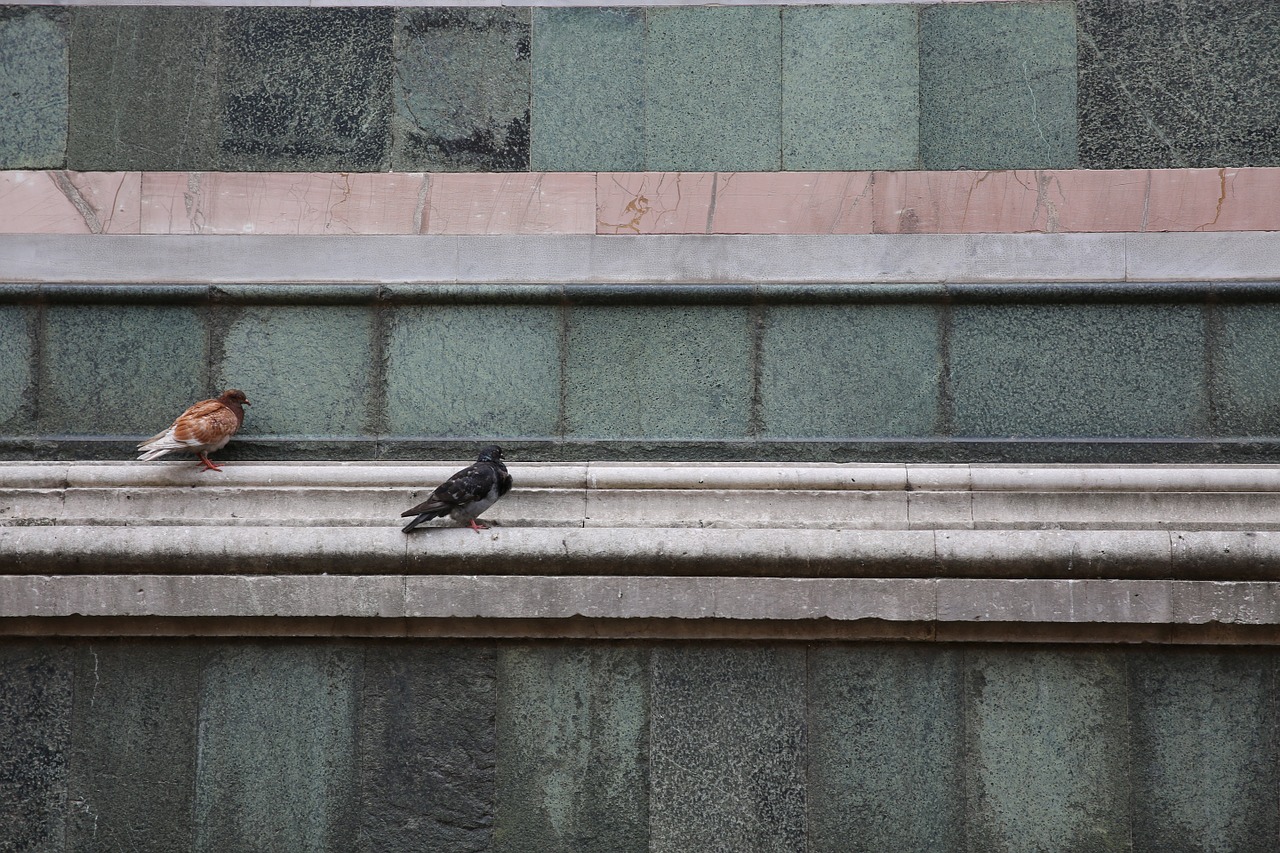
(245, 403)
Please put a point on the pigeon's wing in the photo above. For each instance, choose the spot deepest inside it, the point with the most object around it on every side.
(205, 424)
(470, 484)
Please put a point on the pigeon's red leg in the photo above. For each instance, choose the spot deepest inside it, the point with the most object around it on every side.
(476, 526)
(208, 466)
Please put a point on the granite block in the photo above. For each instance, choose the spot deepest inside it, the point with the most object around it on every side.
(50, 202)
(18, 354)
(1078, 370)
(307, 370)
(462, 90)
(713, 80)
(588, 89)
(1170, 83)
(119, 118)
(133, 759)
(1245, 383)
(1046, 751)
(127, 369)
(727, 749)
(1205, 729)
(33, 66)
(850, 370)
(884, 747)
(573, 725)
(850, 88)
(426, 748)
(35, 728)
(658, 372)
(441, 382)
(306, 90)
(998, 86)
(275, 747)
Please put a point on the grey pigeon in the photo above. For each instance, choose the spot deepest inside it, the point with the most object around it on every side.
(467, 493)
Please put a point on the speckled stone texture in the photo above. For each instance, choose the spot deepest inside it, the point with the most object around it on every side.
(1078, 370)
(1246, 370)
(35, 728)
(850, 87)
(306, 89)
(133, 762)
(462, 90)
(511, 386)
(588, 89)
(426, 748)
(657, 371)
(885, 748)
(714, 96)
(33, 66)
(573, 723)
(276, 749)
(118, 117)
(850, 370)
(1046, 751)
(1172, 83)
(998, 86)
(728, 752)
(18, 348)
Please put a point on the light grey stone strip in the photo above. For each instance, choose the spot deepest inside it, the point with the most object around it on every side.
(943, 600)
(756, 259)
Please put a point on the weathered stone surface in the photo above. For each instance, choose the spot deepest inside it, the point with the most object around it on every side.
(884, 748)
(33, 64)
(1046, 751)
(426, 748)
(1204, 731)
(462, 90)
(35, 728)
(573, 724)
(276, 749)
(728, 753)
(133, 760)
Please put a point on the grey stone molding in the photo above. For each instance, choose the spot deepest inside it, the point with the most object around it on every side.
(643, 548)
(684, 259)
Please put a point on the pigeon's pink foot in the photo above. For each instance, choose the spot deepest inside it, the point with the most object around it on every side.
(208, 466)
(474, 525)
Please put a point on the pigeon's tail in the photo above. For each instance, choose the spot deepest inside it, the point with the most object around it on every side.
(158, 445)
(426, 516)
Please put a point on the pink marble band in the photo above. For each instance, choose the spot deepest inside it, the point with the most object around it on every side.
(1003, 202)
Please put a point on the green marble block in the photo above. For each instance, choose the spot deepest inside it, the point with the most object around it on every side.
(33, 99)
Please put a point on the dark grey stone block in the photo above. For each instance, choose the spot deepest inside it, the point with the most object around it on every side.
(1206, 728)
(885, 749)
(276, 744)
(1166, 83)
(658, 372)
(33, 105)
(713, 78)
(573, 725)
(474, 371)
(426, 748)
(850, 370)
(120, 368)
(18, 352)
(1046, 751)
(1246, 370)
(133, 760)
(727, 766)
(588, 90)
(1078, 370)
(144, 88)
(35, 727)
(462, 90)
(998, 86)
(306, 89)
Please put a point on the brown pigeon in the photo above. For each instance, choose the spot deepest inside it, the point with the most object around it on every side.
(467, 493)
(201, 429)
